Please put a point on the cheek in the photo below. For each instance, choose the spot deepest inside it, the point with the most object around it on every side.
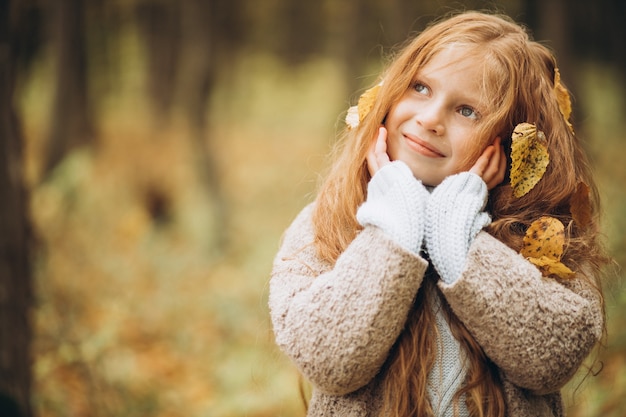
(391, 120)
(469, 151)
(392, 124)
(392, 146)
(399, 113)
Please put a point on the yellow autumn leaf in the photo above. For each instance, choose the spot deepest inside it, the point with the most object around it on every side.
(543, 246)
(367, 100)
(580, 205)
(544, 237)
(563, 98)
(549, 266)
(562, 95)
(529, 158)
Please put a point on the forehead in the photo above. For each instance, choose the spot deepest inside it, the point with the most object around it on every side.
(460, 66)
(455, 59)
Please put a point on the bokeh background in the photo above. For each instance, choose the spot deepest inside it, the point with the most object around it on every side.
(166, 145)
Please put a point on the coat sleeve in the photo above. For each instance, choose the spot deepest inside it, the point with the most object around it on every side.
(338, 323)
(537, 330)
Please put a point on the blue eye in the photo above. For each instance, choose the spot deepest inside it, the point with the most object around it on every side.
(468, 112)
(421, 88)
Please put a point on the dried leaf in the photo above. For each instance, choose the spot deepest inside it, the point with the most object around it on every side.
(543, 246)
(562, 95)
(357, 113)
(529, 158)
(549, 267)
(544, 237)
(367, 100)
(563, 98)
(580, 205)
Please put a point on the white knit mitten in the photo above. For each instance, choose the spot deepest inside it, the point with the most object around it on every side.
(396, 203)
(454, 217)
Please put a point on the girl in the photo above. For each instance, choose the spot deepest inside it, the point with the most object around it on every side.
(401, 290)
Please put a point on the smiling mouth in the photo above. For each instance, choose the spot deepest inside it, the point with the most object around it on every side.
(422, 147)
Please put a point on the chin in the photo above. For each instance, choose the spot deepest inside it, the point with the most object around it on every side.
(432, 184)
(428, 180)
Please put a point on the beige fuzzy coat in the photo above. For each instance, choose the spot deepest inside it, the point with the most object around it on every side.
(338, 324)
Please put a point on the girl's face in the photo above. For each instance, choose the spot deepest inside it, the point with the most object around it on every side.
(434, 127)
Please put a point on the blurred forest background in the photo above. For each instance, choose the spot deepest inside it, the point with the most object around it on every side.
(152, 153)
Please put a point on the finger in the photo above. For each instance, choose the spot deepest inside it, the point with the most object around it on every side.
(372, 165)
(495, 172)
(482, 162)
(494, 161)
(372, 162)
(377, 156)
(502, 166)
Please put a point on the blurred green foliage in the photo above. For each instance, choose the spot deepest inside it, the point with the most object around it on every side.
(143, 317)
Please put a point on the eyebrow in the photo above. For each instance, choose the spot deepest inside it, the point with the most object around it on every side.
(467, 99)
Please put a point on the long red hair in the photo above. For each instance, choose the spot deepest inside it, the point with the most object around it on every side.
(518, 81)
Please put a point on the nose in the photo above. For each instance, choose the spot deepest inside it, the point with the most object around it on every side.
(431, 117)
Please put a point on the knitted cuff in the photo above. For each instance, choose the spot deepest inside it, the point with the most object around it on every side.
(396, 203)
(455, 216)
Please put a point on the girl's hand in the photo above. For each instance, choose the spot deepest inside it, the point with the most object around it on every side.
(491, 165)
(377, 156)
(454, 216)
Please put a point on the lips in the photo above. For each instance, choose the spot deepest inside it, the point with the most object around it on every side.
(422, 147)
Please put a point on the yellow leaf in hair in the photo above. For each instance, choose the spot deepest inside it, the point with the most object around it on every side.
(543, 246)
(367, 100)
(563, 98)
(580, 205)
(529, 158)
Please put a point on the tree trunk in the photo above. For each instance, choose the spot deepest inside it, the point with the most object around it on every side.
(15, 276)
(71, 117)
(160, 27)
(203, 52)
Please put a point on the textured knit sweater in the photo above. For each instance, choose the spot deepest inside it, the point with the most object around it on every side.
(339, 322)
